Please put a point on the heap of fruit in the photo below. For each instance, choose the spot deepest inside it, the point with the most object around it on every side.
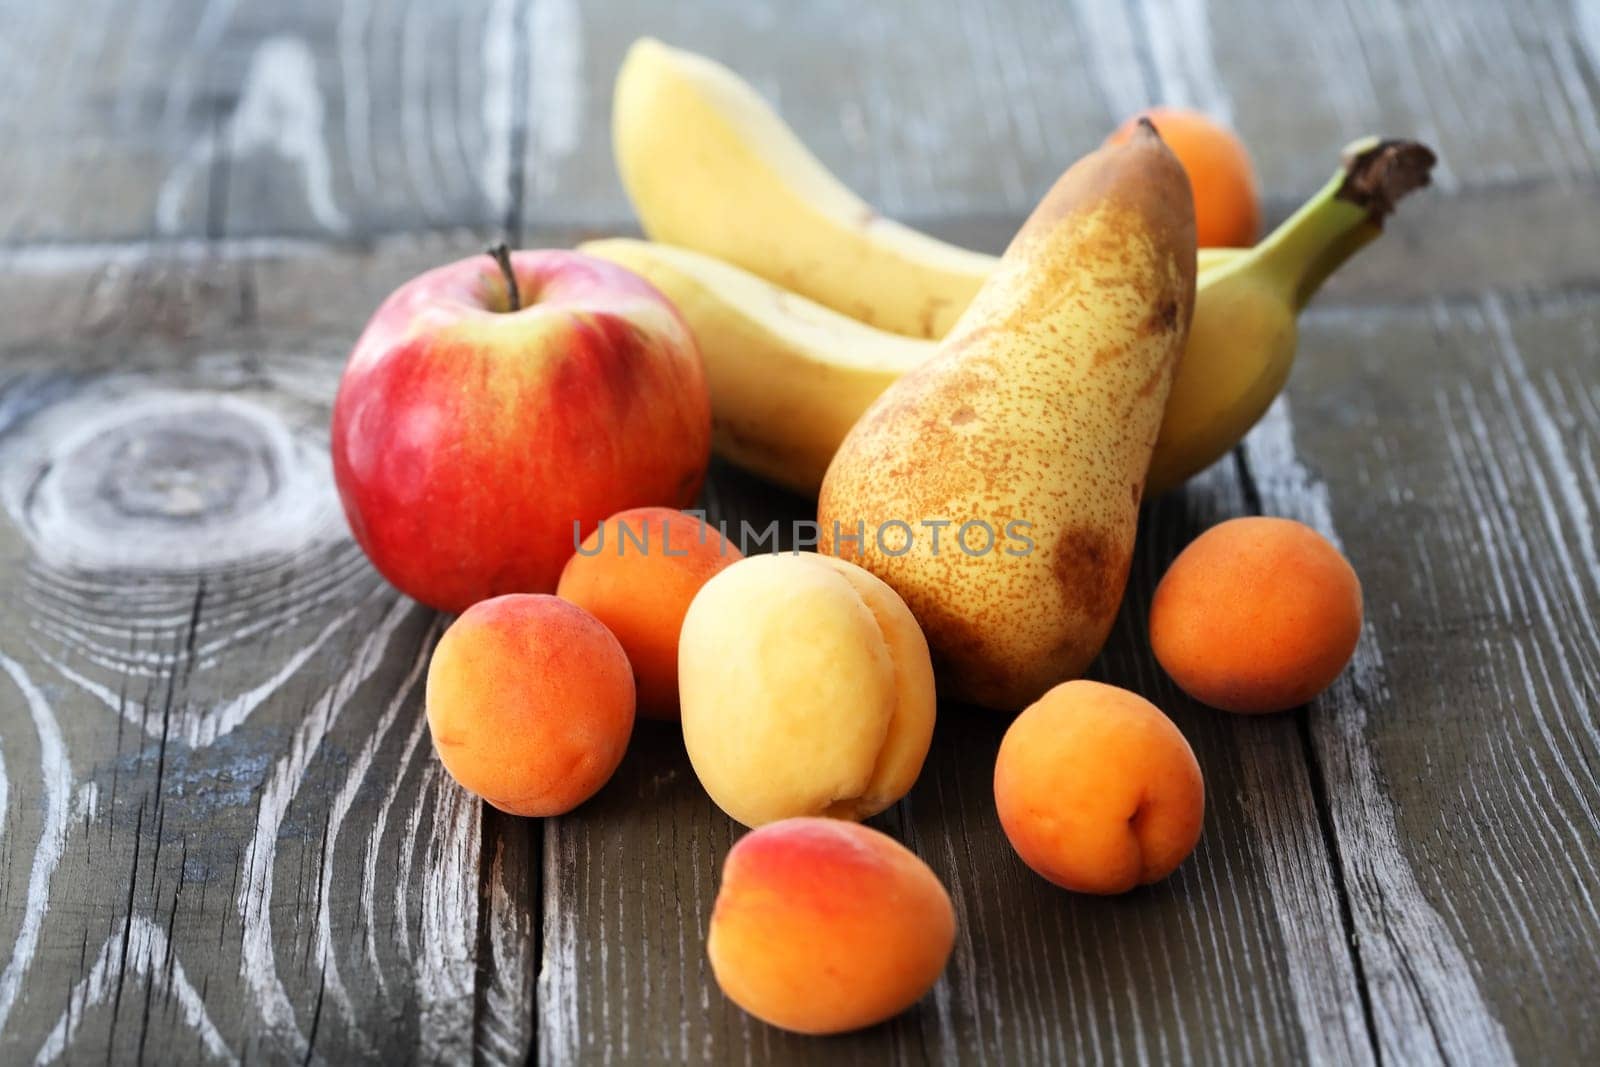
(514, 436)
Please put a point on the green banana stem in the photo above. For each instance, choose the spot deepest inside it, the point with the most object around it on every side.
(1343, 217)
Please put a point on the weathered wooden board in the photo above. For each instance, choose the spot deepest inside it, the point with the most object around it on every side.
(223, 834)
(205, 118)
(1243, 955)
(1461, 763)
(226, 835)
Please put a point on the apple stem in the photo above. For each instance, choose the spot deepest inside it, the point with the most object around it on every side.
(501, 254)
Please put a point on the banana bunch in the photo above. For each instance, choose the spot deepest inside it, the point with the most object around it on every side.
(807, 305)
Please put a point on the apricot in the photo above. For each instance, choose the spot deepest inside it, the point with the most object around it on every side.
(637, 573)
(1256, 615)
(530, 703)
(1227, 200)
(823, 926)
(806, 689)
(1097, 790)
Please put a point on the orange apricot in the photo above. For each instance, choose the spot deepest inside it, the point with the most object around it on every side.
(1256, 615)
(1097, 790)
(823, 926)
(1227, 203)
(530, 703)
(637, 573)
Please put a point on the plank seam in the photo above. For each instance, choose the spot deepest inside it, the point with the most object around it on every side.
(515, 224)
(521, 64)
(1319, 800)
(218, 175)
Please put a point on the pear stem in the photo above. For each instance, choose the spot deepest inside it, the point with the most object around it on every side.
(501, 254)
(1344, 216)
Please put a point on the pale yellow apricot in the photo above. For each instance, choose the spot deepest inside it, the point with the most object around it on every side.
(806, 689)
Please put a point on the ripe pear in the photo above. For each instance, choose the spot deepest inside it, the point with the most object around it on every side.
(1028, 434)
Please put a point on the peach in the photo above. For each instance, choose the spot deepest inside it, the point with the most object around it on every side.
(823, 926)
(530, 703)
(637, 573)
(1256, 615)
(806, 689)
(1097, 790)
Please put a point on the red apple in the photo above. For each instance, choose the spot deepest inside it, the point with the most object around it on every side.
(469, 437)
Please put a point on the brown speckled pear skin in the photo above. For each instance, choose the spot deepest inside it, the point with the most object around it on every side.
(1040, 407)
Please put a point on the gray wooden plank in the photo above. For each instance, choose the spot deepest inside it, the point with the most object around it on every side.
(226, 835)
(192, 118)
(1452, 445)
(1458, 956)
(944, 109)
(1241, 957)
(1452, 768)
(196, 118)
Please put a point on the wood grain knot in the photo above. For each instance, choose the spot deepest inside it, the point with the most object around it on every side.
(149, 478)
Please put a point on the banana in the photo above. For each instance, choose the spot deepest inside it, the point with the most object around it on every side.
(708, 165)
(711, 168)
(788, 377)
(1244, 335)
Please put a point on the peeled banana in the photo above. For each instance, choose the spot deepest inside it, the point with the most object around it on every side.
(789, 377)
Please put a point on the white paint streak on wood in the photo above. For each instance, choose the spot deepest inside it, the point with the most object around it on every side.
(355, 777)
(1179, 32)
(1425, 999)
(1276, 795)
(50, 257)
(204, 727)
(498, 63)
(1114, 55)
(1566, 508)
(85, 805)
(413, 90)
(444, 121)
(1183, 71)
(1568, 63)
(1586, 24)
(1006, 105)
(260, 600)
(257, 962)
(137, 37)
(201, 47)
(560, 1039)
(464, 97)
(1385, 35)
(55, 773)
(354, 21)
(369, 865)
(280, 112)
(556, 91)
(507, 1020)
(141, 948)
(447, 957)
(1322, 980)
(410, 842)
(1495, 469)
(201, 726)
